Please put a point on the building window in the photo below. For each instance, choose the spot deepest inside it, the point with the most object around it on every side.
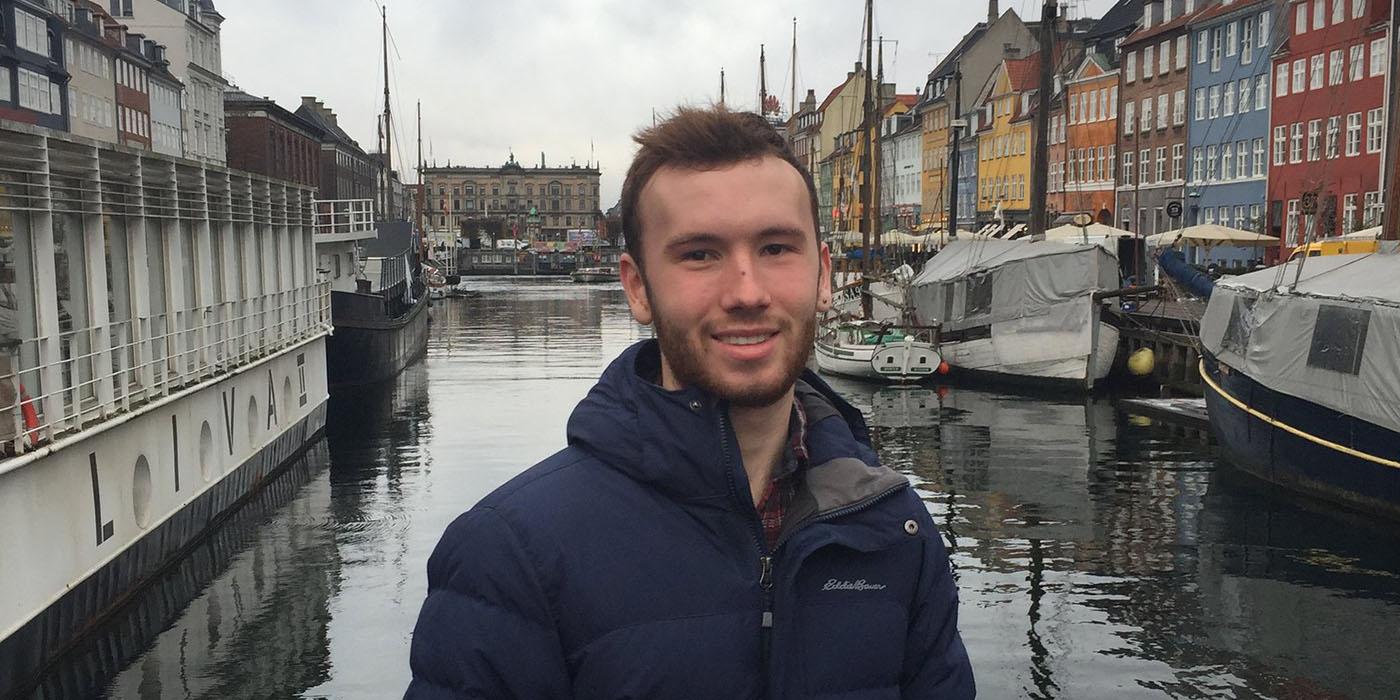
(1149, 61)
(1375, 130)
(1354, 134)
(1200, 103)
(1263, 36)
(1161, 164)
(1214, 101)
(1162, 113)
(1202, 46)
(1334, 134)
(1291, 229)
(1144, 166)
(1358, 8)
(1228, 100)
(1317, 64)
(1242, 159)
(1227, 160)
(1357, 66)
(1300, 76)
(1295, 143)
(1315, 139)
(1231, 38)
(5, 93)
(1378, 57)
(1179, 108)
(1259, 157)
(1147, 114)
(1281, 80)
(1128, 118)
(1374, 209)
(1261, 91)
(1216, 40)
(1178, 162)
(1244, 90)
(1300, 19)
(1247, 43)
(1130, 67)
(1349, 213)
(1197, 164)
(1334, 67)
(1210, 163)
(1164, 57)
(32, 33)
(34, 92)
(1339, 11)
(1127, 167)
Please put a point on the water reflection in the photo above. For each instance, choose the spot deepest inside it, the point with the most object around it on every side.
(242, 616)
(1096, 556)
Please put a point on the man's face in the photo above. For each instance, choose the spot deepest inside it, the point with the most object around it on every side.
(734, 278)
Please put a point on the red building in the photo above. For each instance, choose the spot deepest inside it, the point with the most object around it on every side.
(132, 74)
(1327, 118)
(267, 139)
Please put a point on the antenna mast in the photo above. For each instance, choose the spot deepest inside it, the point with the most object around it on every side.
(762, 82)
(721, 87)
(792, 96)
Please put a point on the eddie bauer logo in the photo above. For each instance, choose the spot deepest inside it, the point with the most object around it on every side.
(856, 585)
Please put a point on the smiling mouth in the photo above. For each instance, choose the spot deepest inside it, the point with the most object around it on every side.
(744, 339)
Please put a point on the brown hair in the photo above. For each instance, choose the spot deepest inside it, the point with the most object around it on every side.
(701, 138)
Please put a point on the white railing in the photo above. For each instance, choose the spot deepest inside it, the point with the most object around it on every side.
(116, 368)
(335, 217)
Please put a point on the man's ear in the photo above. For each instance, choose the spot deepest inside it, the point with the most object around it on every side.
(824, 278)
(636, 287)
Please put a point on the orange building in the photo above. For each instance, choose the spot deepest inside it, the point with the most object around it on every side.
(1083, 141)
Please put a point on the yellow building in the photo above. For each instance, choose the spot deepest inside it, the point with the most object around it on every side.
(1004, 142)
(934, 143)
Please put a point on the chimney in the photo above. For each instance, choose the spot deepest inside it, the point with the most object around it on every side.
(992, 12)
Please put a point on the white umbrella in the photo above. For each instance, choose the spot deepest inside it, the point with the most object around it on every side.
(1210, 235)
(1365, 234)
(1071, 233)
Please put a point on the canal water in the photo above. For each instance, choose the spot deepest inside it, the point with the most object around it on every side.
(1098, 555)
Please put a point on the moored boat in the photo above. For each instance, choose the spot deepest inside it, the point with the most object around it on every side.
(595, 274)
(163, 352)
(875, 351)
(1302, 381)
(1021, 312)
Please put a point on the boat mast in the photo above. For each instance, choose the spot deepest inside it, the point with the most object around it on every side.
(762, 82)
(422, 187)
(954, 119)
(879, 153)
(866, 124)
(1040, 173)
(721, 87)
(388, 123)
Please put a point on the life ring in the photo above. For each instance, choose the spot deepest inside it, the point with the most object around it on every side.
(31, 416)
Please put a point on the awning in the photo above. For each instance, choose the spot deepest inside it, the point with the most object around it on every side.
(1070, 232)
(1210, 235)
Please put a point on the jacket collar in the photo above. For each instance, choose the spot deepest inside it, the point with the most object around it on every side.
(677, 441)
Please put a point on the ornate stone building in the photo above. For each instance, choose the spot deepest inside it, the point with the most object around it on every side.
(537, 203)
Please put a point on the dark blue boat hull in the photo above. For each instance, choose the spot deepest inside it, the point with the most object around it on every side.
(1319, 466)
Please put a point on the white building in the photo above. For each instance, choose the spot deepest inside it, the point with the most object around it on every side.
(901, 169)
(190, 31)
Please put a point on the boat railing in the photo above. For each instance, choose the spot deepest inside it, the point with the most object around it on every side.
(108, 370)
(343, 219)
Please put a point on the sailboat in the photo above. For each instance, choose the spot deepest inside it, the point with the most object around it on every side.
(864, 345)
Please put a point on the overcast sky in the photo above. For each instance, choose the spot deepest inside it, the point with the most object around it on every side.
(557, 76)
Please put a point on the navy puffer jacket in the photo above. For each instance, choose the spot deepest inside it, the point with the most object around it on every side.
(632, 565)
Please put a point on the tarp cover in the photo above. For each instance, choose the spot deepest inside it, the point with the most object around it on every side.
(977, 282)
(1333, 340)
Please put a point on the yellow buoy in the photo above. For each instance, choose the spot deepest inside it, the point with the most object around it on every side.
(1141, 362)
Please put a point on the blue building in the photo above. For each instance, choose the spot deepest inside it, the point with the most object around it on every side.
(967, 175)
(1227, 138)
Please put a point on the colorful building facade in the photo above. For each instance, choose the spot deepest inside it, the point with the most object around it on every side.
(1327, 119)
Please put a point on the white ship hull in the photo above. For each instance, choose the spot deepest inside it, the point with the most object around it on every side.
(896, 361)
(1037, 358)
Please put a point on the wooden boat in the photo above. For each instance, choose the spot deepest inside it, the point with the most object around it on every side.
(875, 351)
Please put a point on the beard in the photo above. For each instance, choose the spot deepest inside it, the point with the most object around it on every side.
(688, 364)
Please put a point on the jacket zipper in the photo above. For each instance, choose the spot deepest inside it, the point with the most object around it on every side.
(765, 558)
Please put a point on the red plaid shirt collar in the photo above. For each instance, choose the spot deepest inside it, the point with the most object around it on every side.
(783, 485)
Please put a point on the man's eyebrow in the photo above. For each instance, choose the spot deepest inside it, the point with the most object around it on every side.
(697, 238)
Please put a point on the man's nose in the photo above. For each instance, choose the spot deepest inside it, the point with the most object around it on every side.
(743, 286)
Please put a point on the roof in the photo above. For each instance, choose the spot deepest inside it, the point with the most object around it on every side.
(239, 99)
(1023, 73)
(1222, 9)
(1159, 29)
(327, 127)
(1122, 18)
(832, 95)
(907, 100)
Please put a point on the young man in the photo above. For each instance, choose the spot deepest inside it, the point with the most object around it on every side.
(718, 526)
